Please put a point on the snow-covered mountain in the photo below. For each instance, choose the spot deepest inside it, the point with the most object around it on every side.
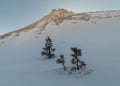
(57, 17)
(96, 33)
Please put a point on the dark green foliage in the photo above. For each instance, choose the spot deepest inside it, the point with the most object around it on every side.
(48, 48)
(75, 60)
(83, 64)
(61, 60)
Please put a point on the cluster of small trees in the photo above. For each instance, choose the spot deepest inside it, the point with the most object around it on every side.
(48, 51)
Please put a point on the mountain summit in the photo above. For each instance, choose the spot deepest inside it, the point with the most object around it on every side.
(56, 17)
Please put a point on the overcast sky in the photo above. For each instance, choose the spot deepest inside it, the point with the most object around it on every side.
(16, 14)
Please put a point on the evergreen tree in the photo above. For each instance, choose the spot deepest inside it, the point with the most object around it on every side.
(61, 60)
(75, 60)
(48, 48)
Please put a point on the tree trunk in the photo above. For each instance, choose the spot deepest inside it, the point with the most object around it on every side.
(64, 67)
(49, 54)
(77, 65)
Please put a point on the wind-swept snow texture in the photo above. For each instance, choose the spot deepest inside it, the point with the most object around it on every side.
(96, 33)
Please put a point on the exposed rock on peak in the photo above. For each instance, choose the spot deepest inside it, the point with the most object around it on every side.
(60, 12)
(57, 16)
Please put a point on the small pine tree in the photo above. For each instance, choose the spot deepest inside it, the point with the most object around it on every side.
(61, 60)
(48, 49)
(75, 60)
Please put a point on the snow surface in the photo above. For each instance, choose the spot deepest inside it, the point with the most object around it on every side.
(22, 65)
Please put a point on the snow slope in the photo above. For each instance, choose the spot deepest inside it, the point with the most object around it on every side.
(96, 33)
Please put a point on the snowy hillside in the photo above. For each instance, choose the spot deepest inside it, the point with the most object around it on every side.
(96, 33)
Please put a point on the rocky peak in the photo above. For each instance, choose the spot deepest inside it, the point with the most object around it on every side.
(57, 16)
(60, 12)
